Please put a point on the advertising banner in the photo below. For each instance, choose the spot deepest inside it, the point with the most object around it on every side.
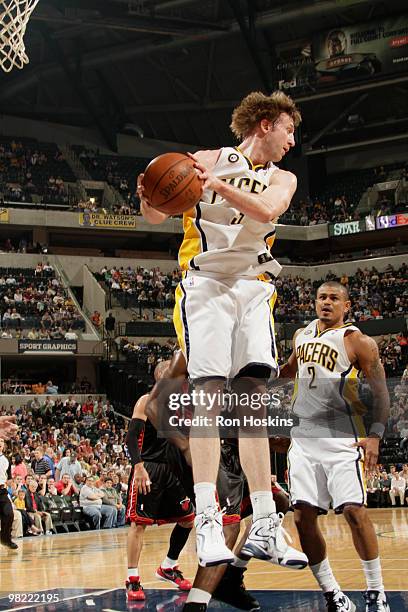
(87, 219)
(47, 346)
(349, 227)
(391, 221)
(362, 51)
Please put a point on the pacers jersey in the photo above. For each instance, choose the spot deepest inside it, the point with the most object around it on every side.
(220, 239)
(327, 384)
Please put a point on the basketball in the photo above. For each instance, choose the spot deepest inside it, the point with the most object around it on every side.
(171, 183)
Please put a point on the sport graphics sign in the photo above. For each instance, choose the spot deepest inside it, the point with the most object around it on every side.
(362, 51)
(47, 346)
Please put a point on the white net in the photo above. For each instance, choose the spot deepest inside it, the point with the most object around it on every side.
(14, 16)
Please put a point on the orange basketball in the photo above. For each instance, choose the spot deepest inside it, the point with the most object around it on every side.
(171, 183)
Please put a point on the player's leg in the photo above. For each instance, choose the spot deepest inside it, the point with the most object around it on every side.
(173, 506)
(254, 360)
(207, 578)
(344, 466)
(225, 582)
(204, 318)
(366, 544)
(140, 512)
(314, 545)
(134, 590)
(168, 570)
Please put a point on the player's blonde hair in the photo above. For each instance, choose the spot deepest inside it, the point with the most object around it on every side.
(257, 106)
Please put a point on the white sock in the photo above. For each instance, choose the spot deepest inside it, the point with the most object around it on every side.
(262, 504)
(133, 571)
(373, 574)
(238, 562)
(169, 563)
(205, 496)
(198, 596)
(325, 577)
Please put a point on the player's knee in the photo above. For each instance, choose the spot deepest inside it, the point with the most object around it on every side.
(355, 516)
(136, 528)
(186, 524)
(305, 518)
(282, 502)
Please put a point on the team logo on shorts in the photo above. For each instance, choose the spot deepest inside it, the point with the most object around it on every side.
(233, 157)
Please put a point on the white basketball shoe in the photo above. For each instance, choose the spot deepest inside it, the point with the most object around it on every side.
(267, 540)
(211, 547)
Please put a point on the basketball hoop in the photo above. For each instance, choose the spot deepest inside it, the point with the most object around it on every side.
(14, 16)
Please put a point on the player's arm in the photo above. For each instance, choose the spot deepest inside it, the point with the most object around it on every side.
(263, 207)
(136, 427)
(366, 352)
(280, 444)
(149, 213)
(159, 395)
(290, 368)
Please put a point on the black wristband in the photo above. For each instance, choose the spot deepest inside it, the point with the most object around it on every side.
(136, 427)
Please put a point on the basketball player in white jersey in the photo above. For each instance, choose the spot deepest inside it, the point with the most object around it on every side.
(328, 446)
(223, 313)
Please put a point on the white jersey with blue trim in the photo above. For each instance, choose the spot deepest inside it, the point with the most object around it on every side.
(327, 384)
(220, 239)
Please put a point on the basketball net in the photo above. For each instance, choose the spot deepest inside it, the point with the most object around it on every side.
(14, 16)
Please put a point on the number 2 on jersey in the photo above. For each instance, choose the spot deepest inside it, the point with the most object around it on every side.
(312, 372)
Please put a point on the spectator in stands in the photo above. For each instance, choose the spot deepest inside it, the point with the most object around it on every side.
(114, 499)
(19, 469)
(97, 319)
(110, 324)
(66, 487)
(398, 486)
(28, 525)
(385, 484)
(71, 335)
(40, 465)
(36, 509)
(90, 499)
(51, 388)
(68, 465)
(49, 456)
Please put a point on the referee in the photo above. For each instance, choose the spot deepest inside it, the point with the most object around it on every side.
(6, 509)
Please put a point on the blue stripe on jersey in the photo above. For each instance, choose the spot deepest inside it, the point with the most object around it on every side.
(185, 324)
(200, 229)
(273, 347)
(359, 476)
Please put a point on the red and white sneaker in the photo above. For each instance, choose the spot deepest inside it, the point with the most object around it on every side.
(174, 576)
(134, 590)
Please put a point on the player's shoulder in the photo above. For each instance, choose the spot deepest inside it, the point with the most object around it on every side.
(357, 339)
(284, 175)
(208, 157)
(140, 407)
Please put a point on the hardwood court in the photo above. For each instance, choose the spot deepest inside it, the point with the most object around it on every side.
(97, 559)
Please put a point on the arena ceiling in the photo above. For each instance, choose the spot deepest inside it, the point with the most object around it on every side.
(175, 68)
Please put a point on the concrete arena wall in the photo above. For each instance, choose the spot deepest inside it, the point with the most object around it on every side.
(67, 134)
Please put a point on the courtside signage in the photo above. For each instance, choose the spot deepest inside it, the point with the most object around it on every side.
(47, 346)
(391, 221)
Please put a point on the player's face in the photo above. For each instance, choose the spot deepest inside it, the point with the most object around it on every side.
(279, 137)
(331, 305)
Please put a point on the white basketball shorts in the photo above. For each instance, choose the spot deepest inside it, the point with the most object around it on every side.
(325, 472)
(224, 324)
